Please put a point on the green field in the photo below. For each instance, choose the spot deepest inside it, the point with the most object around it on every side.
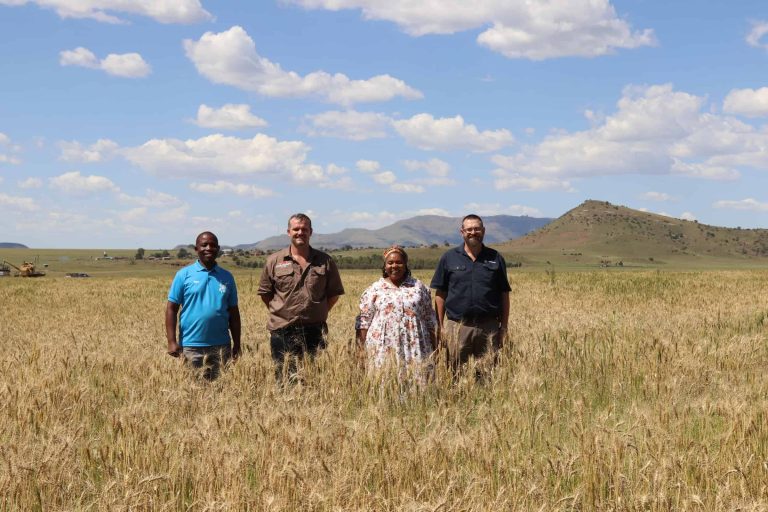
(636, 390)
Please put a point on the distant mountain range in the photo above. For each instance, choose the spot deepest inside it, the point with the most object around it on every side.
(413, 232)
(12, 245)
(598, 230)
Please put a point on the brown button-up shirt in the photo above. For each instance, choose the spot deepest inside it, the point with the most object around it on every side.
(299, 297)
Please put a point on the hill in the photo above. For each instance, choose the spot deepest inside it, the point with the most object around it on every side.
(597, 231)
(12, 245)
(413, 232)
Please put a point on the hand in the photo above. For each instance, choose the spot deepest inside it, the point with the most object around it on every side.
(236, 352)
(501, 336)
(174, 349)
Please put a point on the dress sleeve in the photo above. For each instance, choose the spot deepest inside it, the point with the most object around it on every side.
(367, 307)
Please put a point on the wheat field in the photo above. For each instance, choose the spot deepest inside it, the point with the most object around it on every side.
(615, 391)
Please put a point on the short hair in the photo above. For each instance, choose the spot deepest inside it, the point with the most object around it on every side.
(471, 216)
(197, 240)
(301, 217)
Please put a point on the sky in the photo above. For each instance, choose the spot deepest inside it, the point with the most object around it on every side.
(140, 123)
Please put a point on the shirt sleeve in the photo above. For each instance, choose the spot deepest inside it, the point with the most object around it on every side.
(176, 293)
(266, 286)
(367, 307)
(440, 278)
(503, 280)
(333, 285)
(233, 294)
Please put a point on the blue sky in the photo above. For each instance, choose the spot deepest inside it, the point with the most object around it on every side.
(141, 123)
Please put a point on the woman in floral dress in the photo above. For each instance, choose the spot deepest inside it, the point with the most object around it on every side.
(397, 323)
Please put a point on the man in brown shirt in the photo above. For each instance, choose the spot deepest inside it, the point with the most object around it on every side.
(299, 286)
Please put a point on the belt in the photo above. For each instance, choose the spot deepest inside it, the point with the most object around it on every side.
(299, 326)
(476, 318)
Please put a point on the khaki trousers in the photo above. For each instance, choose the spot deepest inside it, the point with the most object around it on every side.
(476, 342)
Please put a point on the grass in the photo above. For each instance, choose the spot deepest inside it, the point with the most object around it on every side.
(636, 390)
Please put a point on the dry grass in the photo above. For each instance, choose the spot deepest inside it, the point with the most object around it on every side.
(618, 391)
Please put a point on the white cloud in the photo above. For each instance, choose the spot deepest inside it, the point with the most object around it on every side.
(433, 166)
(152, 199)
(385, 178)
(163, 11)
(30, 183)
(230, 58)
(499, 209)
(655, 130)
(437, 171)
(5, 142)
(126, 65)
(217, 155)
(508, 179)
(747, 102)
(759, 29)
(9, 159)
(228, 117)
(406, 188)
(687, 216)
(450, 133)
(518, 28)
(76, 184)
(25, 204)
(657, 196)
(225, 187)
(748, 204)
(348, 124)
(99, 151)
(367, 166)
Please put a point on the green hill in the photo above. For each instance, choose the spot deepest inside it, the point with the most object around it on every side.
(599, 233)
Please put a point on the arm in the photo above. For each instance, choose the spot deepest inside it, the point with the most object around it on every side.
(266, 288)
(440, 296)
(332, 301)
(234, 328)
(504, 320)
(267, 298)
(171, 321)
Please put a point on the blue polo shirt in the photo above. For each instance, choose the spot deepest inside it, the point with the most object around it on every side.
(474, 288)
(205, 297)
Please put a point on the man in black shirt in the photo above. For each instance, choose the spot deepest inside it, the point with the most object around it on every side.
(472, 290)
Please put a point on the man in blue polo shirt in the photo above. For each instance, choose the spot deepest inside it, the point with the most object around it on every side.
(207, 297)
(472, 290)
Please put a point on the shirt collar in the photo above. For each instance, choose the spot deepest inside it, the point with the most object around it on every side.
(285, 254)
(199, 267)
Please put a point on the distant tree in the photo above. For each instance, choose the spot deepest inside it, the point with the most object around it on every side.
(165, 254)
(140, 254)
(433, 246)
(183, 253)
(445, 243)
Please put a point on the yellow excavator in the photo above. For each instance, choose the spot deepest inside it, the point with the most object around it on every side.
(27, 269)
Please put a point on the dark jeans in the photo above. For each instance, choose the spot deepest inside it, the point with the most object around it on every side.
(293, 343)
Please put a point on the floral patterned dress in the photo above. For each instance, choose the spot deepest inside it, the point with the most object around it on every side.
(398, 319)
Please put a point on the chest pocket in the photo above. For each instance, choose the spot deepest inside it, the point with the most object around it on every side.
(457, 268)
(316, 283)
(284, 277)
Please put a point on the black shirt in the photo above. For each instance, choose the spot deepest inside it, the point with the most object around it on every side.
(474, 288)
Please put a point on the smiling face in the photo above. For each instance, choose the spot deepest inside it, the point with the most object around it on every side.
(472, 231)
(299, 231)
(207, 249)
(395, 267)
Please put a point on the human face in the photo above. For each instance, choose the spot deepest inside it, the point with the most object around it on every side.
(472, 231)
(394, 265)
(299, 231)
(207, 249)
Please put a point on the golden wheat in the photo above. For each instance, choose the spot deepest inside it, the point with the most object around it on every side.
(616, 391)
